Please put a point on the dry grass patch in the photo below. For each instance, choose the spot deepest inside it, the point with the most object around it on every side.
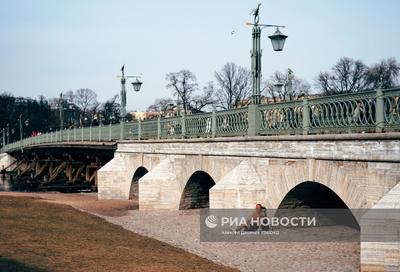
(40, 236)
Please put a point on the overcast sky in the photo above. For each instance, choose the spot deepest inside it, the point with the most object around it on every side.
(50, 46)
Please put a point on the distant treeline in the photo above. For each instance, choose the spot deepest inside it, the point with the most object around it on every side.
(31, 116)
(32, 113)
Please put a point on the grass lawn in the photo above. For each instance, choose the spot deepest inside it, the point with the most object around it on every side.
(39, 236)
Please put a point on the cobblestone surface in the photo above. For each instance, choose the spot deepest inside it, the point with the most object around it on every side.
(181, 229)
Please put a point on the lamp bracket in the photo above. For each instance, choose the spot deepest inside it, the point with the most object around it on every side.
(264, 25)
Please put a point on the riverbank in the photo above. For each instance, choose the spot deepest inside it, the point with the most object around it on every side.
(181, 229)
(37, 235)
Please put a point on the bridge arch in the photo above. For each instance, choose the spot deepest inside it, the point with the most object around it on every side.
(197, 191)
(346, 185)
(315, 195)
(311, 194)
(134, 189)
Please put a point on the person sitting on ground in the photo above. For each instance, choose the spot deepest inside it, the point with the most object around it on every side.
(259, 213)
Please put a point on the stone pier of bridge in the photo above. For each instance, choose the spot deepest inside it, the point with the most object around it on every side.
(6, 162)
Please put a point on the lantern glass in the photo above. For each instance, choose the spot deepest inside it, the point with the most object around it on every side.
(278, 40)
(136, 85)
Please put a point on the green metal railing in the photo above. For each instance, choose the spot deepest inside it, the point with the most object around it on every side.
(373, 111)
(351, 112)
(232, 122)
(282, 118)
(198, 125)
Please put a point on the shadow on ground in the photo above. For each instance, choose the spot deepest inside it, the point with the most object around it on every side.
(9, 265)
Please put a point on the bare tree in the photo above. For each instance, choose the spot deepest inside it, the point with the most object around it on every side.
(349, 76)
(233, 86)
(69, 96)
(384, 74)
(86, 100)
(184, 84)
(199, 102)
(285, 86)
(346, 76)
(161, 105)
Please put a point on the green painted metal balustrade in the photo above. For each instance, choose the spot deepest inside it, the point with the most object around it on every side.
(372, 111)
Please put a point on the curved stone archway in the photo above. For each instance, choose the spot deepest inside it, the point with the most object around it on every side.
(310, 194)
(197, 191)
(315, 196)
(134, 189)
(348, 183)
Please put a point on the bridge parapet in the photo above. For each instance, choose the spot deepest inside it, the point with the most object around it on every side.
(366, 112)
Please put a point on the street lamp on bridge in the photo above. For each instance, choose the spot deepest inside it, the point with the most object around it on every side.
(277, 40)
(21, 130)
(137, 84)
(4, 137)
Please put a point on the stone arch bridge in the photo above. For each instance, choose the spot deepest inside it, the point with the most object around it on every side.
(187, 162)
(362, 170)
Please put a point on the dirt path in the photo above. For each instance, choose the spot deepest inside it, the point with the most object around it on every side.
(83, 201)
(181, 229)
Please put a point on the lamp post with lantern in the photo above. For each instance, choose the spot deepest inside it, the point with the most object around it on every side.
(21, 130)
(136, 84)
(277, 40)
(4, 137)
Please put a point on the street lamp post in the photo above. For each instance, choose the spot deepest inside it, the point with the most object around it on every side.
(136, 87)
(61, 108)
(137, 84)
(278, 41)
(287, 84)
(8, 133)
(4, 137)
(123, 95)
(20, 127)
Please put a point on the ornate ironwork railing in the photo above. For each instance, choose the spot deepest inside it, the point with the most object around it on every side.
(282, 118)
(350, 112)
(372, 111)
(391, 103)
(171, 127)
(198, 125)
(232, 122)
(148, 129)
